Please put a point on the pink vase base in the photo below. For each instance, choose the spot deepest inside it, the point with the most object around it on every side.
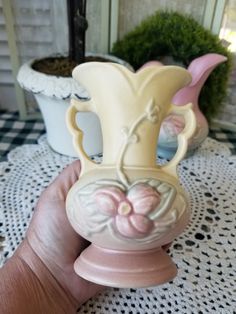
(125, 269)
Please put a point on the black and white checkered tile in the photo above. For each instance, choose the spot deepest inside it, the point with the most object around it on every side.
(14, 133)
(224, 136)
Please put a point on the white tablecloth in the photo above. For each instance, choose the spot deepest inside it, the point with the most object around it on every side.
(205, 253)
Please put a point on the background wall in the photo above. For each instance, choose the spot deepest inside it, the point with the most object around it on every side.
(228, 32)
(132, 12)
(41, 29)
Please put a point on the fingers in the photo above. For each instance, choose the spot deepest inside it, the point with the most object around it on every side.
(69, 175)
(75, 167)
(59, 188)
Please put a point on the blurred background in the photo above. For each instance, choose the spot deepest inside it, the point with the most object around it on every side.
(40, 29)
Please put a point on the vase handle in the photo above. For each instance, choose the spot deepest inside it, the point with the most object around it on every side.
(86, 163)
(183, 137)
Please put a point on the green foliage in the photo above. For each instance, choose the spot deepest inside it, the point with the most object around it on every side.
(179, 36)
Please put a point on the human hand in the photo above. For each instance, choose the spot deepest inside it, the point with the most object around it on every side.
(51, 237)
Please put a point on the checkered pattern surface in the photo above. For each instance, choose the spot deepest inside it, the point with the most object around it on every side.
(14, 132)
(224, 136)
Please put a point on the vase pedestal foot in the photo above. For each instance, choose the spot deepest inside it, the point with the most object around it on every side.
(125, 269)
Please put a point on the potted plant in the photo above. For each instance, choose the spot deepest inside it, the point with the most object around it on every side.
(49, 79)
(173, 38)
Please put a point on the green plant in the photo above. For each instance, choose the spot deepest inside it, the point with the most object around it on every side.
(179, 36)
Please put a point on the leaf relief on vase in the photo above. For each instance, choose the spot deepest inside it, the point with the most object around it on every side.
(142, 213)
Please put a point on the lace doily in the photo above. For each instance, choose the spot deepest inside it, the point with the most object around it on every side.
(205, 253)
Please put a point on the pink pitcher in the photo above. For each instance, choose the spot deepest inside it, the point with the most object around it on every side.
(200, 68)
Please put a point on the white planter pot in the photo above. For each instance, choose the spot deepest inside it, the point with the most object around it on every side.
(53, 95)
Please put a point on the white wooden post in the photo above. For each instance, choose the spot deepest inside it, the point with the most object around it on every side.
(218, 17)
(14, 58)
(213, 15)
(114, 22)
(105, 28)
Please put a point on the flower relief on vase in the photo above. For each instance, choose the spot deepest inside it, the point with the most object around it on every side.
(138, 210)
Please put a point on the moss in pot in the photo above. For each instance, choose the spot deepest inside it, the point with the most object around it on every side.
(171, 34)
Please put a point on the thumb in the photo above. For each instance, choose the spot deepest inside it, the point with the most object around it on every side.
(59, 188)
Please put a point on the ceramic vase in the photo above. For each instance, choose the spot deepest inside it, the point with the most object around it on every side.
(129, 207)
(200, 69)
